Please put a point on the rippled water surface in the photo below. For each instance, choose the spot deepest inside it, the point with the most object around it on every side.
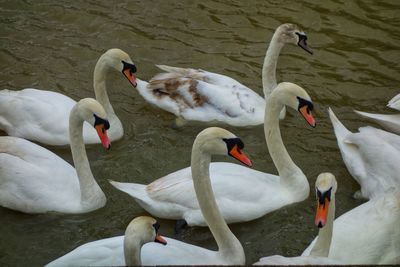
(54, 45)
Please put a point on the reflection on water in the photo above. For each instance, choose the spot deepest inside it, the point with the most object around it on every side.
(54, 46)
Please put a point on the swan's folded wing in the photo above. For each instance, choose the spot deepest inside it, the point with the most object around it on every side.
(176, 188)
(104, 252)
(197, 98)
(394, 102)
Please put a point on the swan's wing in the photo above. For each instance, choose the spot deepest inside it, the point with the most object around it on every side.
(350, 152)
(368, 234)
(390, 122)
(380, 152)
(394, 102)
(109, 252)
(236, 188)
(201, 75)
(33, 179)
(228, 181)
(196, 99)
(301, 260)
(178, 253)
(36, 115)
(104, 252)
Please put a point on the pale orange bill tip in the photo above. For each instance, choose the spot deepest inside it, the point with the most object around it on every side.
(308, 116)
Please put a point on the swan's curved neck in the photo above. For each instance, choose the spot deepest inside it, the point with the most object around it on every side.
(323, 243)
(290, 174)
(99, 84)
(90, 191)
(132, 247)
(270, 62)
(229, 246)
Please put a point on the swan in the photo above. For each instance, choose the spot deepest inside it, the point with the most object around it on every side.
(42, 116)
(325, 187)
(35, 180)
(369, 233)
(372, 157)
(199, 95)
(390, 122)
(211, 141)
(242, 194)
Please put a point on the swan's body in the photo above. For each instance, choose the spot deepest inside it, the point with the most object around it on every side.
(230, 252)
(242, 194)
(198, 95)
(369, 233)
(42, 116)
(372, 156)
(326, 186)
(390, 122)
(35, 180)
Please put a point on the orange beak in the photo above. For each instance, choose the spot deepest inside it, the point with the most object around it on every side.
(160, 239)
(322, 213)
(128, 74)
(240, 156)
(305, 111)
(102, 133)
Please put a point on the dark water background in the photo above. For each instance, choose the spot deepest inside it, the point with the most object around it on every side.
(54, 45)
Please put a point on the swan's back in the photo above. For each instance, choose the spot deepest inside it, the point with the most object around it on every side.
(32, 113)
(34, 179)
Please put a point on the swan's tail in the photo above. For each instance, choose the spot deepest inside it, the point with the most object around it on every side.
(137, 191)
(340, 131)
(372, 116)
(394, 102)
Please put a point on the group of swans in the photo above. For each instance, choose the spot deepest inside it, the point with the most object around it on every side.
(211, 141)
(42, 116)
(242, 194)
(35, 180)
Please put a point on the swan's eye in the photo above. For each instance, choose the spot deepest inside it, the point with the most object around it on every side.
(156, 226)
(303, 102)
(100, 121)
(131, 67)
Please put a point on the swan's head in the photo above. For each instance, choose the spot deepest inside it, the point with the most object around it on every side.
(218, 141)
(91, 111)
(119, 60)
(325, 189)
(290, 33)
(145, 229)
(294, 96)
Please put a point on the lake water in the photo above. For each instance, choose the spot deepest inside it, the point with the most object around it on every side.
(54, 45)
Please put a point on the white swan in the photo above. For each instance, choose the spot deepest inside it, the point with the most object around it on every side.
(242, 194)
(325, 187)
(42, 116)
(35, 180)
(211, 141)
(369, 233)
(198, 95)
(372, 157)
(390, 122)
